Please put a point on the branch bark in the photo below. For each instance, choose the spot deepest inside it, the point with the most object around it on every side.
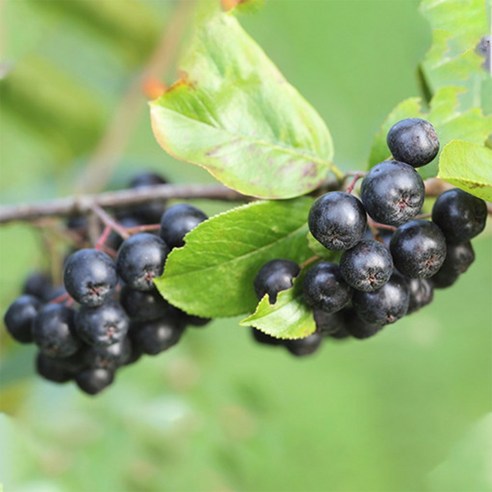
(85, 204)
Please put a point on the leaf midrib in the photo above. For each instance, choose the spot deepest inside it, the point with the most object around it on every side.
(240, 258)
(295, 151)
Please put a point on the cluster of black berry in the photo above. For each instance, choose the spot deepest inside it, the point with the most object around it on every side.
(391, 262)
(108, 311)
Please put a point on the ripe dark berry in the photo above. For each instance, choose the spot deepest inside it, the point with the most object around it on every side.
(151, 212)
(460, 216)
(59, 370)
(324, 288)
(20, 316)
(177, 221)
(53, 331)
(90, 276)
(304, 346)
(392, 192)
(328, 324)
(337, 220)
(110, 356)
(195, 321)
(359, 328)
(458, 259)
(275, 276)
(93, 381)
(413, 141)
(52, 369)
(38, 284)
(143, 306)
(367, 266)
(444, 278)
(383, 306)
(265, 338)
(102, 325)
(153, 337)
(421, 293)
(141, 259)
(418, 249)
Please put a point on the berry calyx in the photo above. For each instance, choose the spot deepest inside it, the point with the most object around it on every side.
(141, 259)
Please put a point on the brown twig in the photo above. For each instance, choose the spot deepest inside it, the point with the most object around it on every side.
(84, 204)
(109, 222)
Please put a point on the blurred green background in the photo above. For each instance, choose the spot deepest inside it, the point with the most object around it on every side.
(406, 411)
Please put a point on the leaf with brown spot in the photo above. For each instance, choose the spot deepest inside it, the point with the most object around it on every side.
(235, 115)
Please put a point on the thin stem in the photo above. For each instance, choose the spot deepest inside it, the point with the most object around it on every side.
(104, 237)
(308, 262)
(109, 222)
(356, 177)
(143, 228)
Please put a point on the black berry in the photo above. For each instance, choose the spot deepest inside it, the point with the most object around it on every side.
(337, 220)
(141, 259)
(304, 346)
(359, 328)
(460, 216)
(421, 293)
(392, 192)
(413, 141)
(20, 316)
(38, 284)
(151, 212)
(109, 356)
(383, 306)
(177, 221)
(418, 249)
(328, 324)
(102, 325)
(90, 276)
(367, 266)
(53, 331)
(324, 288)
(265, 338)
(275, 276)
(93, 381)
(143, 306)
(153, 337)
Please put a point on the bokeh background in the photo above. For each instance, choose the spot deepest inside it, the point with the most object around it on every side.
(406, 411)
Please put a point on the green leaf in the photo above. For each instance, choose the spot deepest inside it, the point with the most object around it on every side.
(212, 275)
(288, 318)
(468, 166)
(452, 60)
(450, 123)
(234, 114)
